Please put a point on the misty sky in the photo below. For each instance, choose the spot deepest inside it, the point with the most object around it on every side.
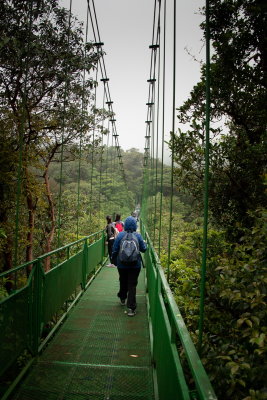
(126, 29)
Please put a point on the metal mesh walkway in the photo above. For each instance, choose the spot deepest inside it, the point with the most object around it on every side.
(99, 353)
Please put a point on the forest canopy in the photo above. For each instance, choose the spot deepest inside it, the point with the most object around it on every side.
(49, 124)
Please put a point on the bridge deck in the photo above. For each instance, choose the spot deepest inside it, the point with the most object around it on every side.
(98, 353)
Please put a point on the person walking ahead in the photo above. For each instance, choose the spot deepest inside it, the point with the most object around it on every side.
(110, 231)
(118, 223)
(126, 255)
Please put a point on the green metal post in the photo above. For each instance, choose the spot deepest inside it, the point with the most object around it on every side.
(206, 184)
(147, 187)
(84, 264)
(154, 313)
(37, 306)
(103, 245)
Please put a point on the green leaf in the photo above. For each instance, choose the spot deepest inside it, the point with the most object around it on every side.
(248, 322)
(234, 369)
(241, 382)
(245, 365)
(256, 320)
(240, 321)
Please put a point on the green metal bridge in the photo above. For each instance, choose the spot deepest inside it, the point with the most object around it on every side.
(63, 333)
(92, 349)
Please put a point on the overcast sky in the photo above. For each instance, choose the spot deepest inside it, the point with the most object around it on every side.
(126, 29)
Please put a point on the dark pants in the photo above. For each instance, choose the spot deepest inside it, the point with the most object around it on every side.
(128, 283)
(110, 245)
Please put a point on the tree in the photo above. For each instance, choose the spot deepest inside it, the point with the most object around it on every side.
(238, 98)
(43, 60)
(234, 343)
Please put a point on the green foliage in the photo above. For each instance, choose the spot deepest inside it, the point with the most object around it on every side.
(133, 164)
(102, 192)
(46, 108)
(234, 343)
(238, 118)
(235, 339)
(3, 290)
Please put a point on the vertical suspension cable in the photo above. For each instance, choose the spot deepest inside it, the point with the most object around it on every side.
(172, 138)
(112, 155)
(152, 158)
(93, 139)
(107, 155)
(104, 74)
(62, 138)
(92, 150)
(152, 141)
(101, 154)
(103, 70)
(157, 124)
(21, 134)
(80, 144)
(149, 134)
(163, 123)
(206, 183)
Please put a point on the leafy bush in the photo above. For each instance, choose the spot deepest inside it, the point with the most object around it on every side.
(235, 328)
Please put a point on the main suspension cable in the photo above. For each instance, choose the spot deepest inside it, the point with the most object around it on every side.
(157, 125)
(149, 138)
(102, 66)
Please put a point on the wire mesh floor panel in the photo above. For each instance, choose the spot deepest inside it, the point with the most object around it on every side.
(99, 352)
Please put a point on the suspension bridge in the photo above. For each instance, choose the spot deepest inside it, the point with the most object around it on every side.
(61, 319)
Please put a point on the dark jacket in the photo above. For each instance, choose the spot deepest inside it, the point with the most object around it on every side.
(110, 230)
(129, 226)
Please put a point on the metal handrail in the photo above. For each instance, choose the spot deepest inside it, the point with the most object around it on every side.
(202, 383)
(43, 256)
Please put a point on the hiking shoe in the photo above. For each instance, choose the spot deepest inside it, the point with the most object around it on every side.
(123, 302)
(131, 313)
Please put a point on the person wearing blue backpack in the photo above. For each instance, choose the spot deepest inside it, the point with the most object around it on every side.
(126, 256)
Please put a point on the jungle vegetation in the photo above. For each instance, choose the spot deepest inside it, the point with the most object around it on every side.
(38, 104)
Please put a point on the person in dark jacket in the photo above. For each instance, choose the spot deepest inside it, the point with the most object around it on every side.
(128, 274)
(110, 231)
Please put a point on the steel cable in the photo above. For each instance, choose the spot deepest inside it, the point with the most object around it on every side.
(63, 136)
(172, 139)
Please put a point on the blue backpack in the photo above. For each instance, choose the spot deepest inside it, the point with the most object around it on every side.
(129, 249)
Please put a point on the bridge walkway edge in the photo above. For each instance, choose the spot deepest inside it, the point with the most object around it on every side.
(99, 353)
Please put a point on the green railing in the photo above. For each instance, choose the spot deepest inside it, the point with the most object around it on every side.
(170, 338)
(37, 297)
